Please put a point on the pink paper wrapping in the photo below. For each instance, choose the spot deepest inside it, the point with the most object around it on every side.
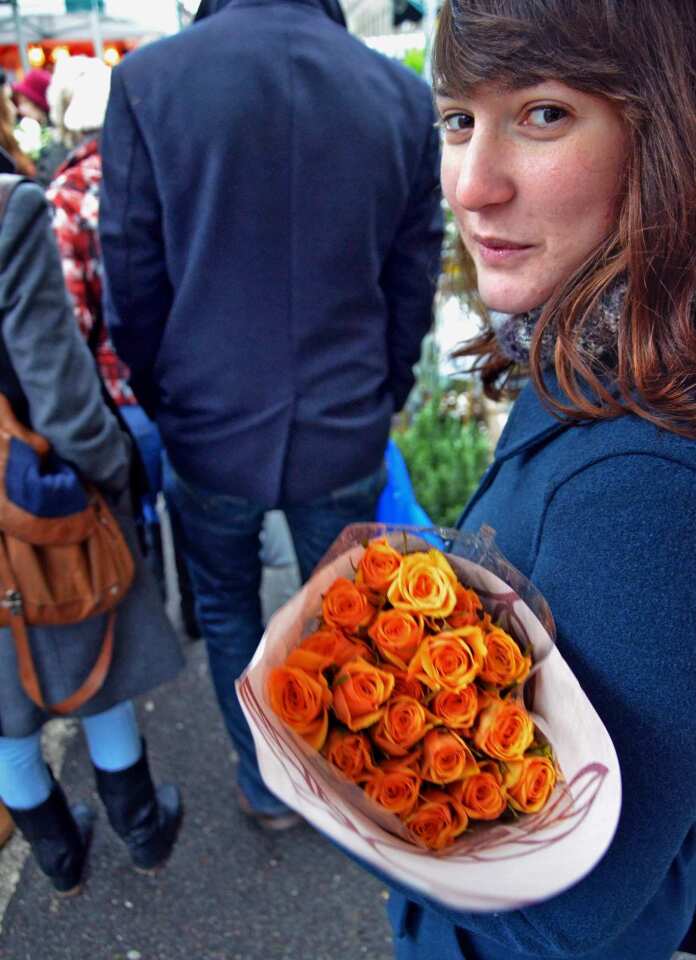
(494, 866)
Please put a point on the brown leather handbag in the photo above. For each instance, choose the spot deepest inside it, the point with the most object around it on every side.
(63, 557)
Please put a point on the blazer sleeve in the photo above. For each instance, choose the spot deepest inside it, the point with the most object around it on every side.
(410, 272)
(615, 562)
(52, 362)
(138, 295)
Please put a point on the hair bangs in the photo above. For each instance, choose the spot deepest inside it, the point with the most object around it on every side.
(519, 43)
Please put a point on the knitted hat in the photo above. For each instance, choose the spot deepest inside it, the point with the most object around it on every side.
(33, 87)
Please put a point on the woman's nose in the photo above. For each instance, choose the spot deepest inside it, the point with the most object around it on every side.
(483, 177)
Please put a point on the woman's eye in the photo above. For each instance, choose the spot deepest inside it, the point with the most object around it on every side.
(457, 122)
(546, 116)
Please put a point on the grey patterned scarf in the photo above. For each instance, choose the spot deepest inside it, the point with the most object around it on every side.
(514, 332)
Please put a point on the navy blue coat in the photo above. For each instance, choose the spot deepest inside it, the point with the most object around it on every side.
(271, 230)
(601, 517)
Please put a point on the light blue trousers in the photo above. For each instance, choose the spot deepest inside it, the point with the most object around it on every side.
(113, 740)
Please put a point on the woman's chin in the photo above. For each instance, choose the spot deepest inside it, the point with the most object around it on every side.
(511, 299)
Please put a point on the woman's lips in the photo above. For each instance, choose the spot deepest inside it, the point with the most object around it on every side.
(496, 251)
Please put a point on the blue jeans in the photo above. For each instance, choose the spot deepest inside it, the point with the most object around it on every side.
(220, 541)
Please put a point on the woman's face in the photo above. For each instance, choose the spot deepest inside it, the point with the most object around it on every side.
(532, 176)
(27, 108)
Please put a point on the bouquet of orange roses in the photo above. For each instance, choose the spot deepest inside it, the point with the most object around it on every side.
(410, 690)
(410, 702)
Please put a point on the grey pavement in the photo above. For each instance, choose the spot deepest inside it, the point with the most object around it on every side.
(230, 890)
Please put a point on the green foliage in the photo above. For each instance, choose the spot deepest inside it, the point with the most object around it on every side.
(445, 455)
(415, 60)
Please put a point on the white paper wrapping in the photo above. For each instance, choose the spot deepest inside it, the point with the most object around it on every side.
(493, 866)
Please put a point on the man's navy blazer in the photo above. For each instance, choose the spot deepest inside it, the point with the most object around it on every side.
(271, 231)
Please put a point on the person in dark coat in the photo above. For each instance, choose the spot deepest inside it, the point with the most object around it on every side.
(568, 162)
(50, 377)
(271, 233)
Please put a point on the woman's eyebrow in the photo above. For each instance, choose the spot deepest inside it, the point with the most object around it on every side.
(445, 92)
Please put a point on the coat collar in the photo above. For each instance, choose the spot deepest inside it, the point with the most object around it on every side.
(88, 148)
(332, 8)
(530, 421)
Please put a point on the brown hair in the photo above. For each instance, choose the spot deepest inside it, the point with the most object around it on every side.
(8, 142)
(642, 55)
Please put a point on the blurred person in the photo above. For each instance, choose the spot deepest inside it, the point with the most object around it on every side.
(78, 95)
(8, 142)
(35, 124)
(30, 95)
(49, 378)
(271, 253)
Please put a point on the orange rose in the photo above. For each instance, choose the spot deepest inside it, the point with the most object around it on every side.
(393, 786)
(302, 701)
(396, 635)
(482, 794)
(468, 609)
(335, 646)
(359, 691)
(346, 607)
(445, 757)
(425, 584)
(351, 753)
(457, 708)
(404, 722)
(404, 685)
(505, 663)
(504, 729)
(378, 565)
(529, 783)
(437, 820)
(451, 659)
(308, 660)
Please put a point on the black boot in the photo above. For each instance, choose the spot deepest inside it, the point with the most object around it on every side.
(59, 837)
(146, 819)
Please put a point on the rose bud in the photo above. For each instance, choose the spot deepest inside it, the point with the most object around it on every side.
(393, 786)
(424, 584)
(449, 660)
(529, 783)
(404, 685)
(351, 753)
(344, 606)
(378, 566)
(308, 660)
(302, 701)
(437, 821)
(359, 691)
(396, 635)
(468, 609)
(504, 730)
(404, 722)
(481, 794)
(505, 663)
(456, 709)
(445, 757)
(335, 646)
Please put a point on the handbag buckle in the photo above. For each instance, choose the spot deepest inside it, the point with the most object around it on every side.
(13, 602)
